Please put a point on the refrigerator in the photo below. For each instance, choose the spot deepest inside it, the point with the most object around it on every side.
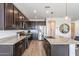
(41, 32)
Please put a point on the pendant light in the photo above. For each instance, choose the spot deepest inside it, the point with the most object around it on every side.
(66, 17)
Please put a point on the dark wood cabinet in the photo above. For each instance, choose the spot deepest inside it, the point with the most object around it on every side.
(9, 21)
(19, 48)
(20, 16)
(16, 17)
(10, 17)
(47, 47)
(34, 24)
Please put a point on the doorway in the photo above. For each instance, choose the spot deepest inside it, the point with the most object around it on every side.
(51, 28)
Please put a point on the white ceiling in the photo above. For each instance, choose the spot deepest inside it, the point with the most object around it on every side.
(59, 10)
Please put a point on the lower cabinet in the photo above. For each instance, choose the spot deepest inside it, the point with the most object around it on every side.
(47, 47)
(19, 48)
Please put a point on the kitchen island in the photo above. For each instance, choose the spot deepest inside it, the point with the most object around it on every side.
(61, 46)
(13, 46)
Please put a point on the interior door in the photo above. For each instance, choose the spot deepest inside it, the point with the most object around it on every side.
(72, 30)
(51, 28)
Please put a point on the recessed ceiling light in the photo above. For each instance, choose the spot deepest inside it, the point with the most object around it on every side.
(35, 11)
(47, 12)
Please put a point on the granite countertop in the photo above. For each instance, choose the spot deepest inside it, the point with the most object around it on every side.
(61, 40)
(12, 40)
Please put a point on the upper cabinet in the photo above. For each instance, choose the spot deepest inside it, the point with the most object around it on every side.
(16, 16)
(11, 17)
(20, 17)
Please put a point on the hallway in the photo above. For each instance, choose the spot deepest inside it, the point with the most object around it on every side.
(35, 49)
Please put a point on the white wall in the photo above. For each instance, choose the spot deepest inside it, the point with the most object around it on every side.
(60, 21)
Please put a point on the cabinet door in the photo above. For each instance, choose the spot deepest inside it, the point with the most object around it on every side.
(23, 46)
(16, 17)
(20, 21)
(19, 48)
(9, 16)
(47, 47)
